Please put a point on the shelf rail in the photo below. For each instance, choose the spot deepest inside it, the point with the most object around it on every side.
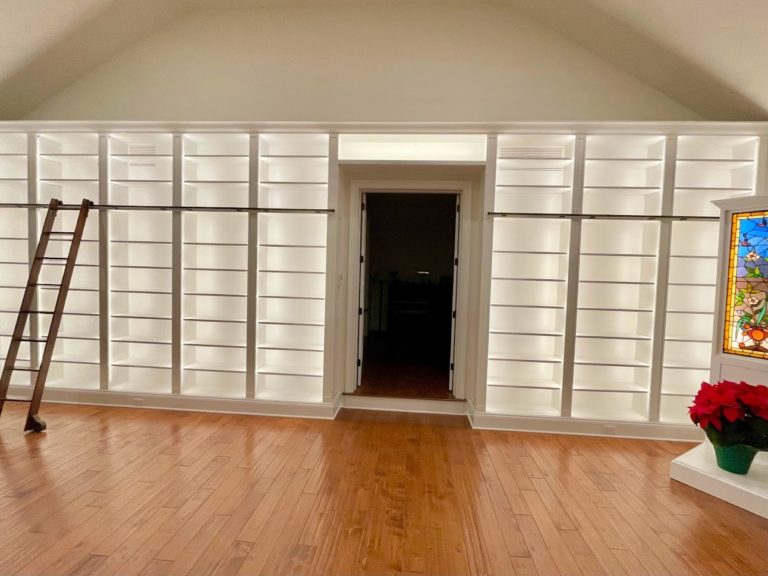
(175, 208)
(571, 216)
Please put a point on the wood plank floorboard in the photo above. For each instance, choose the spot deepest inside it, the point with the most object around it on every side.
(116, 491)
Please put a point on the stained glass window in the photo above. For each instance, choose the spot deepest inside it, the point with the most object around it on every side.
(746, 314)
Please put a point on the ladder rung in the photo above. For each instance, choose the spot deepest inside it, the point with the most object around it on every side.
(52, 258)
(15, 400)
(47, 285)
(54, 233)
(38, 311)
(25, 369)
(32, 340)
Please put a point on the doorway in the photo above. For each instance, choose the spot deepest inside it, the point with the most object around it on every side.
(408, 272)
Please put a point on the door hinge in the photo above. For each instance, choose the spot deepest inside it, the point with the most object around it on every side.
(455, 261)
(458, 207)
(453, 314)
(362, 259)
(359, 362)
(359, 311)
(362, 206)
(451, 366)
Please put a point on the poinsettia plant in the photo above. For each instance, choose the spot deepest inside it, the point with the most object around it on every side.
(732, 413)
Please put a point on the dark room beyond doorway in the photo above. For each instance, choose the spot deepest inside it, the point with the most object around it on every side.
(409, 254)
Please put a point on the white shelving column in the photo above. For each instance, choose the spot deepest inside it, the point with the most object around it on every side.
(68, 170)
(14, 244)
(293, 174)
(623, 175)
(140, 174)
(215, 265)
(708, 168)
(529, 272)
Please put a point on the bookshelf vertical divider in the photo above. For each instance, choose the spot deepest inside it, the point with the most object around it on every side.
(662, 280)
(177, 199)
(33, 236)
(252, 319)
(332, 232)
(104, 264)
(572, 296)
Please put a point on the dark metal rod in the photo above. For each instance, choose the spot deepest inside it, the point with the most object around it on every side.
(569, 216)
(175, 208)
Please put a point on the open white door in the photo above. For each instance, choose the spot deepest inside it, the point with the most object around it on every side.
(455, 291)
(362, 305)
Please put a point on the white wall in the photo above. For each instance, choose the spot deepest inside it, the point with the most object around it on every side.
(359, 63)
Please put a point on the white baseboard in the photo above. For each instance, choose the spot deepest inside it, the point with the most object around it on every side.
(479, 420)
(471, 410)
(189, 403)
(583, 427)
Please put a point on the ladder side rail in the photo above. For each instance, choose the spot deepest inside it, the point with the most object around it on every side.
(33, 423)
(26, 301)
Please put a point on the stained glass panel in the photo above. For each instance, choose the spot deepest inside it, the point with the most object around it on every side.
(746, 314)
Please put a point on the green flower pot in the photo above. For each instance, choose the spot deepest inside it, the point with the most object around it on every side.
(736, 458)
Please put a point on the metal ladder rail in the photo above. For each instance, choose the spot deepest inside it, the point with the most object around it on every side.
(33, 421)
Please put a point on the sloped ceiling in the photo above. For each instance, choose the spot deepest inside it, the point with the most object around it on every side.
(706, 54)
(45, 45)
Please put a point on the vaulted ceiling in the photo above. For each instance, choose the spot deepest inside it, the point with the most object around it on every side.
(45, 45)
(706, 54)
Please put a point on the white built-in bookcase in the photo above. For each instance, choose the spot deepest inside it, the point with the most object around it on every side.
(707, 168)
(290, 314)
(14, 246)
(529, 275)
(68, 170)
(215, 265)
(215, 303)
(140, 173)
(607, 315)
(601, 306)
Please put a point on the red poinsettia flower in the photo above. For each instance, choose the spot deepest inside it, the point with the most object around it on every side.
(756, 399)
(716, 402)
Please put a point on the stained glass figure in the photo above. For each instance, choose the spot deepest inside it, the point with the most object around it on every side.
(746, 313)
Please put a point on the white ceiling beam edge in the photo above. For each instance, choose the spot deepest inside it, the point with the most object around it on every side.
(607, 127)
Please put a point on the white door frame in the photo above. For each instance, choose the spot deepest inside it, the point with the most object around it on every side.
(464, 190)
(362, 311)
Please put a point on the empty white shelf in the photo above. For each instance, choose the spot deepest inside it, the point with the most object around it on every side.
(515, 383)
(290, 347)
(612, 386)
(290, 371)
(143, 363)
(628, 362)
(214, 343)
(210, 366)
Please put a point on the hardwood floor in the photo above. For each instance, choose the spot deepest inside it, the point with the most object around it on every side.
(403, 380)
(124, 491)
(390, 371)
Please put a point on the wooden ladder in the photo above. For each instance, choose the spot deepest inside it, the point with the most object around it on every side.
(33, 420)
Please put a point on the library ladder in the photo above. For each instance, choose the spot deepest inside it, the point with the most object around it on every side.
(40, 373)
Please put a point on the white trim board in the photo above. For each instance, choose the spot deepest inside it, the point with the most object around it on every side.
(412, 405)
(585, 427)
(546, 127)
(464, 190)
(329, 411)
(188, 403)
(698, 468)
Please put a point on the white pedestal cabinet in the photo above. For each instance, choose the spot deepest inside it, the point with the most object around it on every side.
(735, 355)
